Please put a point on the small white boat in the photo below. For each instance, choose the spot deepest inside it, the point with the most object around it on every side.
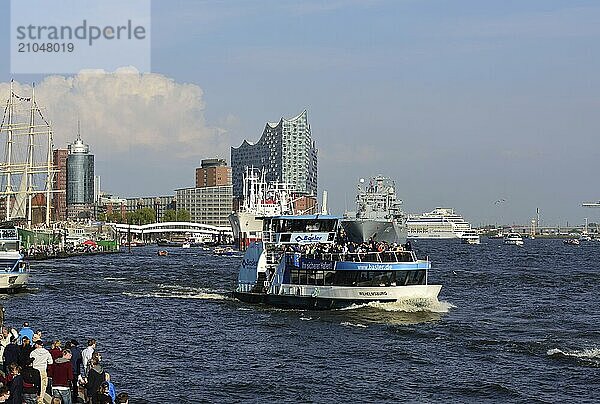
(14, 270)
(186, 245)
(513, 239)
(571, 241)
(470, 237)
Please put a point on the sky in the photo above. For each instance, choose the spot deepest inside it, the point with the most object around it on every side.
(462, 103)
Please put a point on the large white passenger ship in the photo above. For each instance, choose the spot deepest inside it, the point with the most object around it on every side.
(442, 223)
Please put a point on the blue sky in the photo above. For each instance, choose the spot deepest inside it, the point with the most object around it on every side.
(461, 102)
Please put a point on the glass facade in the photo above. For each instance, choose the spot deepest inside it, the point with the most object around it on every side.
(80, 179)
(286, 150)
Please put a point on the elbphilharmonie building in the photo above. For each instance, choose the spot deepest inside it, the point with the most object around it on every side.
(285, 150)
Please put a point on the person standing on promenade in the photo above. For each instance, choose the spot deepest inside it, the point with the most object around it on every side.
(41, 360)
(4, 394)
(62, 377)
(73, 345)
(11, 354)
(122, 398)
(32, 384)
(4, 341)
(96, 376)
(86, 354)
(37, 336)
(111, 388)
(24, 351)
(56, 350)
(25, 332)
(15, 385)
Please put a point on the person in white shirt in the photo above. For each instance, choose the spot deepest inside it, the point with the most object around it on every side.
(41, 359)
(86, 354)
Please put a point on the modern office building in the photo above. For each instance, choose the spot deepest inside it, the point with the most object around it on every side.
(59, 186)
(207, 205)
(285, 150)
(160, 204)
(80, 180)
(212, 173)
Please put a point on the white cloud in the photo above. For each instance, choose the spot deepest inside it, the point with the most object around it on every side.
(126, 111)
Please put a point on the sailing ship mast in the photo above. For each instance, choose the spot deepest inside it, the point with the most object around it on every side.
(28, 158)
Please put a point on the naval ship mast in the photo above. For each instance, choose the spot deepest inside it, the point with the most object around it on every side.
(27, 158)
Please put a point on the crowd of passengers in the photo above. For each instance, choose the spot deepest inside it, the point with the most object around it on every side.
(351, 250)
(65, 374)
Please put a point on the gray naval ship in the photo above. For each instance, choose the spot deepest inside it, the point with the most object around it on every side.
(378, 215)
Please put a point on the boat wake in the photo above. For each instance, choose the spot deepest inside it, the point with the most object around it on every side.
(407, 306)
(177, 292)
(586, 357)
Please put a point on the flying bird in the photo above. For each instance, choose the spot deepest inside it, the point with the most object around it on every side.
(499, 201)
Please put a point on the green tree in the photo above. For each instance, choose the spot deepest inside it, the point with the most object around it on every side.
(146, 215)
(183, 215)
(169, 215)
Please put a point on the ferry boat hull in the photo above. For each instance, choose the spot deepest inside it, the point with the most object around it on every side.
(13, 282)
(326, 298)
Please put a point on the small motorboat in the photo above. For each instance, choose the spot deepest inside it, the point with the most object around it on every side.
(163, 253)
(571, 241)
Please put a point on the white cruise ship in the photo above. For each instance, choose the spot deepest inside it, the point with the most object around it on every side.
(440, 223)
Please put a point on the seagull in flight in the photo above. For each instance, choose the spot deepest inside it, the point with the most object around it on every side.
(499, 201)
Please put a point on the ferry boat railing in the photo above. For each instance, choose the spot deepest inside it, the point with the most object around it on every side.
(374, 256)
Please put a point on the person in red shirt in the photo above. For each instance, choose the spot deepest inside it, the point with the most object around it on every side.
(62, 377)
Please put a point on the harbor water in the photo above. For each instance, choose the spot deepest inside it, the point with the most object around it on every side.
(514, 324)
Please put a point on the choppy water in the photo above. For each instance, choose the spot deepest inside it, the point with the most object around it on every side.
(512, 325)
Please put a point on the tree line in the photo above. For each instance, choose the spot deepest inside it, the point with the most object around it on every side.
(146, 216)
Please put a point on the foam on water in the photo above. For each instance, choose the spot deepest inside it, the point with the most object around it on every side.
(408, 306)
(587, 356)
(203, 295)
(349, 324)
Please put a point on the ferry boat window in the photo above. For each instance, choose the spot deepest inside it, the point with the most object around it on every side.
(295, 276)
(329, 278)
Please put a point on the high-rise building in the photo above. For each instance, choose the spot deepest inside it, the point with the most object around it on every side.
(207, 205)
(213, 172)
(80, 180)
(59, 197)
(285, 150)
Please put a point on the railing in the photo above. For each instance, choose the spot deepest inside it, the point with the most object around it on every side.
(374, 256)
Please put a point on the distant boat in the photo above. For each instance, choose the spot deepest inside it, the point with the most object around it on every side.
(163, 253)
(496, 235)
(571, 241)
(440, 223)
(14, 270)
(186, 245)
(513, 239)
(470, 237)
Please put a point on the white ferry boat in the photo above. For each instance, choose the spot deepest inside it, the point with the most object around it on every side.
(513, 239)
(470, 237)
(297, 265)
(442, 223)
(14, 271)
